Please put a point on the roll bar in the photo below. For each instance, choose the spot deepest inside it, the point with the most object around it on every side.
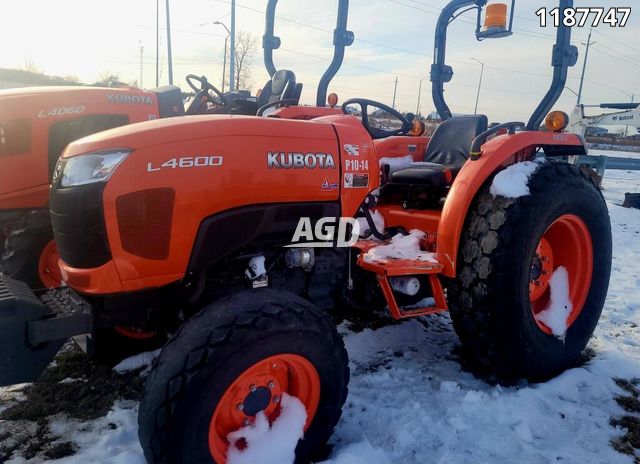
(342, 38)
(564, 56)
(440, 71)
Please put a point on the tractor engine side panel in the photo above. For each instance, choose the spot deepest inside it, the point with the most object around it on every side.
(165, 193)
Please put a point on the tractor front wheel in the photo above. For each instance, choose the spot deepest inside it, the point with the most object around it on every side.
(239, 357)
(533, 275)
(29, 254)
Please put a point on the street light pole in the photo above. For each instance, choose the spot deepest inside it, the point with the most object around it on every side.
(395, 90)
(157, 43)
(141, 84)
(232, 57)
(224, 61)
(479, 83)
(584, 65)
(626, 128)
(419, 94)
(226, 41)
(169, 56)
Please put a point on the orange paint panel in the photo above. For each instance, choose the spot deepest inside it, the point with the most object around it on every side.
(36, 197)
(101, 280)
(424, 220)
(239, 175)
(402, 146)
(44, 107)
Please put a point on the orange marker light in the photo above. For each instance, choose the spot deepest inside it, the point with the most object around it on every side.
(417, 128)
(332, 99)
(496, 16)
(556, 121)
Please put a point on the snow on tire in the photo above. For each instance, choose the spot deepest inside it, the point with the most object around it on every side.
(233, 364)
(509, 252)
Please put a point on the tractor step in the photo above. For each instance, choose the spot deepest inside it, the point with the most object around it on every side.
(390, 267)
(32, 332)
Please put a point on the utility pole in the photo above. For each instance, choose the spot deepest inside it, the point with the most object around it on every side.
(395, 90)
(479, 83)
(224, 61)
(626, 128)
(157, 43)
(226, 42)
(419, 94)
(232, 57)
(170, 61)
(584, 65)
(141, 84)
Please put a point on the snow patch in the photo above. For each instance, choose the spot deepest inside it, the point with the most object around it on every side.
(556, 314)
(396, 163)
(513, 182)
(270, 445)
(137, 362)
(378, 221)
(401, 247)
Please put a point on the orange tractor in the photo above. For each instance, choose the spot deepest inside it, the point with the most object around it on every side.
(237, 235)
(36, 124)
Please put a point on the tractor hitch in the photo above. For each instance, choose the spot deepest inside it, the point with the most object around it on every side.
(33, 329)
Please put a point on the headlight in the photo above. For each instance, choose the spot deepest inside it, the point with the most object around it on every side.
(90, 168)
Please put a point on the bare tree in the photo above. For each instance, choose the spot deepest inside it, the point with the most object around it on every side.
(109, 78)
(30, 66)
(246, 46)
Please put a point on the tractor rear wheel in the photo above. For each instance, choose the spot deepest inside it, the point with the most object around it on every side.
(511, 253)
(234, 359)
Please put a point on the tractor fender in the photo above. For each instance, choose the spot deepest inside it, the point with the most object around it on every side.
(497, 154)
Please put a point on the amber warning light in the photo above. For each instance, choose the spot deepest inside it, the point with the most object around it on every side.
(332, 99)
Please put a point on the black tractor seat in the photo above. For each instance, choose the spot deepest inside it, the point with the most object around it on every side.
(446, 153)
(428, 174)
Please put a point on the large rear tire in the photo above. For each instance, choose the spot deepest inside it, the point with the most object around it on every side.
(508, 252)
(272, 341)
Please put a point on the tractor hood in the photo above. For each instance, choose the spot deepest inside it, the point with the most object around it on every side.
(174, 130)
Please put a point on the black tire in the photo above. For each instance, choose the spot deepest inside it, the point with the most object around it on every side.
(109, 347)
(214, 348)
(489, 299)
(23, 247)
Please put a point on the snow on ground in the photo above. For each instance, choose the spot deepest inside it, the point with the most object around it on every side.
(411, 402)
(137, 362)
(513, 181)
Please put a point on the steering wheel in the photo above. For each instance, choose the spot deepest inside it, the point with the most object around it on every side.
(276, 103)
(382, 128)
(202, 96)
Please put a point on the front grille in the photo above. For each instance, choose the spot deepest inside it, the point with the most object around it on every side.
(77, 218)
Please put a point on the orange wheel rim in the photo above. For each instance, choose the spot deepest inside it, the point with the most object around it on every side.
(260, 388)
(48, 268)
(566, 243)
(134, 334)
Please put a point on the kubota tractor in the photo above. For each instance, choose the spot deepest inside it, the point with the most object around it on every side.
(36, 124)
(203, 227)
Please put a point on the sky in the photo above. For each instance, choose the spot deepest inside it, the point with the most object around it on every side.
(393, 38)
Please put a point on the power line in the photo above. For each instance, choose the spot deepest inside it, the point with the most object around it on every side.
(616, 40)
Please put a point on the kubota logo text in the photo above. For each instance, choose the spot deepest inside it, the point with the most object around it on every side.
(132, 99)
(282, 160)
(328, 232)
